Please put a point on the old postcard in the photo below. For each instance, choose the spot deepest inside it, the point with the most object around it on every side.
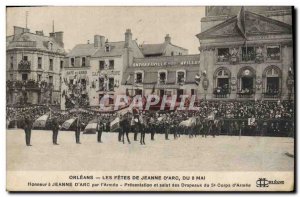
(150, 98)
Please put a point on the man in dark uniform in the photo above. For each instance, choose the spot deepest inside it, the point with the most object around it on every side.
(120, 130)
(55, 128)
(166, 127)
(141, 127)
(27, 129)
(77, 131)
(125, 126)
(99, 129)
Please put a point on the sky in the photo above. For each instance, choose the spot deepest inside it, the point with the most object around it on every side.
(80, 24)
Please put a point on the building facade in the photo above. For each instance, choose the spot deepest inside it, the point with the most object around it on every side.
(95, 70)
(245, 55)
(33, 67)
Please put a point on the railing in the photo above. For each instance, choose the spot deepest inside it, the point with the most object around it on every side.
(23, 44)
(245, 95)
(24, 66)
(271, 95)
(28, 85)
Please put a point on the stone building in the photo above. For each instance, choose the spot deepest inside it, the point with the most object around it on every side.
(246, 53)
(165, 69)
(33, 66)
(96, 69)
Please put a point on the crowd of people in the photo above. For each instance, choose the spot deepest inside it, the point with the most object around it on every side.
(229, 117)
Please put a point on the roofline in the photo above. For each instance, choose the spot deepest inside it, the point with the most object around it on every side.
(161, 57)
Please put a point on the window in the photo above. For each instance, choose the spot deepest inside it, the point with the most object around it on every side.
(83, 61)
(192, 91)
(50, 80)
(180, 77)
(39, 77)
(223, 55)
(101, 65)
(248, 54)
(12, 62)
(50, 46)
(162, 78)
(39, 62)
(172, 53)
(83, 84)
(24, 77)
(111, 100)
(61, 64)
(50, 64)
(273, 53)
(111, 64)
(11, 77)
(107, 48)
(139, 78)
(25, 58)
(72, 62)
(111, 84)
(101, 84)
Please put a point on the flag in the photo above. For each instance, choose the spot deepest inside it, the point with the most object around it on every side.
(67, 124)
(153, 89)
(189, 122)
(241, 22)
(197, 79)
(128, 78)
(91, 127)
(211, 116)
(115, 124)
(41, 121)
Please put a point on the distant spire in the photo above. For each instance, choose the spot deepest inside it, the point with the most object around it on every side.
(53, 26)
(26, 19)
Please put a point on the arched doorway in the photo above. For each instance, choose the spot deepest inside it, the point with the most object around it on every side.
(246, 82)
(221, 82)
(272, 82)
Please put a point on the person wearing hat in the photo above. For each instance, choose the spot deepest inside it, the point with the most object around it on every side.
(100, 128)
(142, 128)
(55, 129)
(27, 129)
(77, 131)
(120, 130)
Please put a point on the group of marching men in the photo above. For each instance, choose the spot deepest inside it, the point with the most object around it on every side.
(136, 123)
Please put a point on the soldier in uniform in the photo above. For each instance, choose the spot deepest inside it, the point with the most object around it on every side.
(55, 129)
(124, 127)
(166, 127)
(99, 129)
(77, 131)
(27, 129)
(152, 127)
(142, 129)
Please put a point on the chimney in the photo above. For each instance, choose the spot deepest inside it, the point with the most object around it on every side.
(20, 30)
(40, 33)
(59, 38)
(128, 37)
(167, 38)
(52, 35)
(99, 41)
(102, 41)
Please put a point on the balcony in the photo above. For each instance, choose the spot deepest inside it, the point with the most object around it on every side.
(19, 85)
(248, 95)
(272, 95)
(221, 93)
(24, 66)
(22, 44)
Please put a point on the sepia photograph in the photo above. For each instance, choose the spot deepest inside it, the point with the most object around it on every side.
(150, 98)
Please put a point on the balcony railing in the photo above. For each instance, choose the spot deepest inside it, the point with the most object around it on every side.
(22, 44)
(28, 85)
(271, 95)
(245, 95)
(24, 66)
(221, 93)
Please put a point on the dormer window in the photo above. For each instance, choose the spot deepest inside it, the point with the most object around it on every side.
(83, 61)
(139, 75)
(50, 46)
(107, 48)
(72, 61)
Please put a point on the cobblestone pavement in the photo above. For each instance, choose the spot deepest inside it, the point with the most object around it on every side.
(223, 153)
